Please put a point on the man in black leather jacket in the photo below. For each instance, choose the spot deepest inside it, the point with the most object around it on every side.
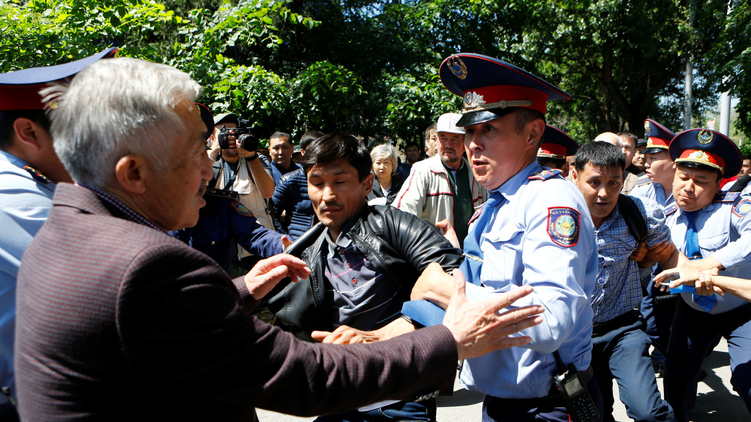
(364, 261)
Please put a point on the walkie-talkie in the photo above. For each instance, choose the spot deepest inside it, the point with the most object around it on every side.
(574, 391)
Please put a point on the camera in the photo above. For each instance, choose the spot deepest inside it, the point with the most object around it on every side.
(242, 134)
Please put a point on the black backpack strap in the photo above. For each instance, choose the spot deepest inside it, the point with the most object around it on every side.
(740, 184)
(634, 218)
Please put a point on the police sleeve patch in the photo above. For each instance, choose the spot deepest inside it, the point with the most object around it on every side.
(742, 208)
(563, 226)
(242, 209)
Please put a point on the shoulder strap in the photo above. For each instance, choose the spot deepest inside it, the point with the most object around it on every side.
(634, 219)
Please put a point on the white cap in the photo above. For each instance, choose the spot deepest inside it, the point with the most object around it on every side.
(447, 123)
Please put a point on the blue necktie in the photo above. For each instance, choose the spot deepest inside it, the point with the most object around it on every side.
(693, 252)
(472, 252)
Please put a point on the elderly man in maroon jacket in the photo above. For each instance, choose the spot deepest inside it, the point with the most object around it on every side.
(119, 321)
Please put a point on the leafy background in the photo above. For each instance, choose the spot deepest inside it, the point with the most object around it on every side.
(370, 67)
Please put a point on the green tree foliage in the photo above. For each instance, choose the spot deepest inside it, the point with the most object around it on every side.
(370, 67)
(730, 61)
(47, 32)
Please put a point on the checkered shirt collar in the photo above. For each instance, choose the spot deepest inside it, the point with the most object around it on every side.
(132, 215)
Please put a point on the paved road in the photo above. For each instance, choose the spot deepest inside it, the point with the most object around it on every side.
(717, 402)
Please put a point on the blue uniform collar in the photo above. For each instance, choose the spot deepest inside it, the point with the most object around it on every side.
(22, 171)
(512, 185)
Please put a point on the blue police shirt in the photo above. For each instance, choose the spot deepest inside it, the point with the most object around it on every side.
(618, 288)
(524, 244)
(655, 192)
(724, 231)
(24, 206)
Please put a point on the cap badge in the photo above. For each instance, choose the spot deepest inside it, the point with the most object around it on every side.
(458, 68)
(705, 136)
(650, 144)
(700, 156)
(473, 100)
(646, 129)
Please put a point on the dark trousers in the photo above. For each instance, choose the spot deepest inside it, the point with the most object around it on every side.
(694, 335)
(620, 351)
(551, 408)
(658, 310)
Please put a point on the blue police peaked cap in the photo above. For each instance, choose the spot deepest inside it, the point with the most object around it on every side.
(492, 88)
(658, 137)
(556, 144)
(706, 149)
(19, 90)
(207, 117)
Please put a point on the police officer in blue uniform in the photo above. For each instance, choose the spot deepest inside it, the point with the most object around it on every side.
(652, 185)
(225, 222)
(657, 307)
(555, 147)
(534, 230)
(713, 228)
(29, 171)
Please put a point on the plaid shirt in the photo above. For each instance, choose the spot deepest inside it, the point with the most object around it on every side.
(129, 213)
(618, 288)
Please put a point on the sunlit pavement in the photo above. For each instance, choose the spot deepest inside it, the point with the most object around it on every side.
(716, 402)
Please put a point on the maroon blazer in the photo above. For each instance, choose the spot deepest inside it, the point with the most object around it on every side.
(118, 321)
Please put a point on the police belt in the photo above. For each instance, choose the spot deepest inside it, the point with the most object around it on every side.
(553, 394)
(620, 321)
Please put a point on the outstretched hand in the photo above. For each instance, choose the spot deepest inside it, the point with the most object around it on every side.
(268, 272)
(700, 280)
(481, 327)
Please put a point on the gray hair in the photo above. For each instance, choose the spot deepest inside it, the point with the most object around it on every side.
(117, 107)
(385, 150)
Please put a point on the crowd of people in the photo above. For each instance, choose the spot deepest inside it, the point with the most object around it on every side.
(155, 263)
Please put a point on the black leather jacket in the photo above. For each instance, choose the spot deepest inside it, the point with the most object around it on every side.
(398, 244)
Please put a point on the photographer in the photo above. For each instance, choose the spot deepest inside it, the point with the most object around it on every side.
(244, 172)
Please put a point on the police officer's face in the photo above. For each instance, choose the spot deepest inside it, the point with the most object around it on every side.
(600, 187)
(659, 167)
(173, 199)
(496, 151)
(337, 193)
(694, 189)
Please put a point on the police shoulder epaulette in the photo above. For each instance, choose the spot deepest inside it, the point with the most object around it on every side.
(726, 197)
(643, 180)
(669, 209)
(545, 175)
(36, 175)
(223, 193)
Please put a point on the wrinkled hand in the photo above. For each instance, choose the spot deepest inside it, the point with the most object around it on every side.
(268, 272)
(449, 232)
(701, 280)
(345, 335)
(480, 328)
